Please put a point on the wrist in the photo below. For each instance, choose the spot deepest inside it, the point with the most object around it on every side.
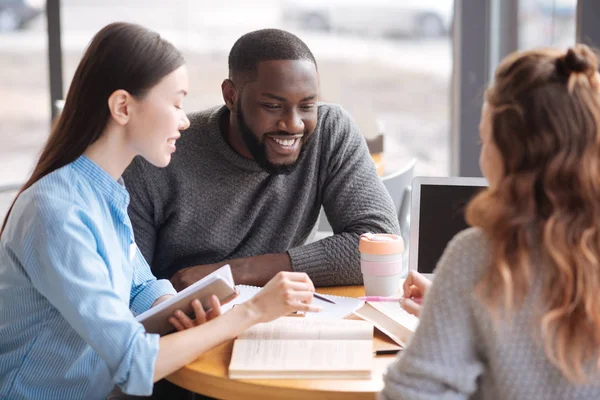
(248, 314)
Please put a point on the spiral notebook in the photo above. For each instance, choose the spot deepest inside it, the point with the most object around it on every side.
(343, 306)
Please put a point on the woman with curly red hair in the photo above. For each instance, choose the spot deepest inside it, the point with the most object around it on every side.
(514, 310)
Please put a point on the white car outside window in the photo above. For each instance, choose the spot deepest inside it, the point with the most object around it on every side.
(423, 18)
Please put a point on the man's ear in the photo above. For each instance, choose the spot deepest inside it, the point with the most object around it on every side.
(230, 95)
(118, 104)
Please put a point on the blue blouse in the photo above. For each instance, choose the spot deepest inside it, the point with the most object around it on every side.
(71, 282)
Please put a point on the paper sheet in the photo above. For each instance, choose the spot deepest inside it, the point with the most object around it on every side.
(344, 305)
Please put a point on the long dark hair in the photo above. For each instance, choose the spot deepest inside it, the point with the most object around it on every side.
(120, 56)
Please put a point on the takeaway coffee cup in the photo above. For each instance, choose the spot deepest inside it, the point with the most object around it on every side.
(381, 263)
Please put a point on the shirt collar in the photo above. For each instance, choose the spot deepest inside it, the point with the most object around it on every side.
(113, 190)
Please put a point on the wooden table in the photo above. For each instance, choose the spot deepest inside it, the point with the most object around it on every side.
(208, 374)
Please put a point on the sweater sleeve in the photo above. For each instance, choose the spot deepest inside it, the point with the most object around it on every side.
(142, 210)
(442, 360)
(355, 202)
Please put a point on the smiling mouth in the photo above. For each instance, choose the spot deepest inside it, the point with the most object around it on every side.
(289, 143)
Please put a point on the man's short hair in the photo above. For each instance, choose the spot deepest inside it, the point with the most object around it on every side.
(265, 45)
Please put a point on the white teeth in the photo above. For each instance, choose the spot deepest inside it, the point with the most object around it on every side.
(285, 142)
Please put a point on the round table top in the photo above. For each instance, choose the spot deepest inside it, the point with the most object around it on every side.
(208, 374)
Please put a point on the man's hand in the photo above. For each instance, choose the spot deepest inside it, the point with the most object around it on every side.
(256, 270)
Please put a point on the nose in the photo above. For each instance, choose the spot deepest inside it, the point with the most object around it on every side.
(185, 123)
(291, 122)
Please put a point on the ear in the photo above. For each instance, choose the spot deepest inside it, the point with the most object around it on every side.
(230, 95)
(118, 104)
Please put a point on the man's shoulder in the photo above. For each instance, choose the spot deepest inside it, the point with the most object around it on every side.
(205, 119)
(336, 126)
(330, 112)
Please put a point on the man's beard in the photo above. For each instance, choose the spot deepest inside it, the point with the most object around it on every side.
(258, 148)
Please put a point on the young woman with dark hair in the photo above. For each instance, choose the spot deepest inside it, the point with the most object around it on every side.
(71, 277)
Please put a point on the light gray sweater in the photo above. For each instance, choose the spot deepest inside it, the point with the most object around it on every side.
(457, 353)
(211, 204)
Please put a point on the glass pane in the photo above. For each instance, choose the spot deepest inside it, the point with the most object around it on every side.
(388, 62)
(547, 23)
(24, 91)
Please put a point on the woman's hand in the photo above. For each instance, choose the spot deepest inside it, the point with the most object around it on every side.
(285, 293)
(182, 322)
(415, 287)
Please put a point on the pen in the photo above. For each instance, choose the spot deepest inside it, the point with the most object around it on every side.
(387, 352)
(321, 297)
(380, 298)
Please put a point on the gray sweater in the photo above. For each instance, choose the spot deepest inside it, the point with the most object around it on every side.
(456, 353)
(211, 204)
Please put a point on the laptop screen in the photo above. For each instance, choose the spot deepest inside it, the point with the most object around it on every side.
(441, 216)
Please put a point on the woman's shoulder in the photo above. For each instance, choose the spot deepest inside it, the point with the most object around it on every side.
(466, 257)
(52, 196)
(471, 240)
(62, 183)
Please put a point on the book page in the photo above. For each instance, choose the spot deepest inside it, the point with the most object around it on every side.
(299, 328)
(301, 355)
(394, 330)
(397, 313)
(343, 306)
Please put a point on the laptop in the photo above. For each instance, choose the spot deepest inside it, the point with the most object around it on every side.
(437, 214)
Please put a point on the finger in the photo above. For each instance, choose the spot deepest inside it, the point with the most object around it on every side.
(215, 308)
(184, 319)
(411, 307)
(199, 312)
(301, 277)
(418, 300)
(408, 282)
(420, 281)
(297, 297)
(415, 285)
(176, 324)
(308, 307)
(297, 286)
(413, 291)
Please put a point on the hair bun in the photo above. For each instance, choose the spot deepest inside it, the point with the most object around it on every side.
(579, 59)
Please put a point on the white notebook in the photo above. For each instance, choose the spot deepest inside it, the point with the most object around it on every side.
(343, 306)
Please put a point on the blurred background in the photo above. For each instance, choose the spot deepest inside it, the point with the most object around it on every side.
(388, 62)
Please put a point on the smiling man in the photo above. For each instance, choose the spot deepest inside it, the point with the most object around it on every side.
(248, 179)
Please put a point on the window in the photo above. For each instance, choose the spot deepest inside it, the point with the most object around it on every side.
(547, 23)
(24, 92)
(388, 62)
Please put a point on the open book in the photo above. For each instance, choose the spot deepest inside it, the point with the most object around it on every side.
(391, 319)
(300, 348)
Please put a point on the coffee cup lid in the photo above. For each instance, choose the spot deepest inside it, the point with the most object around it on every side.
(380, 243)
